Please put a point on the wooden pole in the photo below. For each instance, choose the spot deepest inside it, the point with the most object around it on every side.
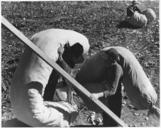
(56, 67)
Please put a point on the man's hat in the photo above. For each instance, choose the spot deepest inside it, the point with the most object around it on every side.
(135, 2)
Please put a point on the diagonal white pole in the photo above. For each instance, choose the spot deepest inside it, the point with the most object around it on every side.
(59, 69)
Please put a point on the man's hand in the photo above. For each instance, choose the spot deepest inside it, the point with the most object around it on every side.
(96, 95)
(60, 52)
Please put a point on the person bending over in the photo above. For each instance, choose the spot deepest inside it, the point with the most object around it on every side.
(105, 72)
(33, 74)
(102, 75)
(135, 6)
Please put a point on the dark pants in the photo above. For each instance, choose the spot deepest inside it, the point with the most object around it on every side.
(114, 104)
(51, 86)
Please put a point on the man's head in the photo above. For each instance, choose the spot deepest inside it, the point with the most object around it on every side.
(113, 55)
(73, 54)
(135, 2)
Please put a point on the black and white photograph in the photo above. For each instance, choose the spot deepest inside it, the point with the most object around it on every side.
(80, 63)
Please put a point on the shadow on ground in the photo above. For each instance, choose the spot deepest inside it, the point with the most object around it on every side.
(14, 123)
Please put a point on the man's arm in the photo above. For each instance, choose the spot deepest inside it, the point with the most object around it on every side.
(116, 73)
(116, 76)
(61, 61)
(64, 65)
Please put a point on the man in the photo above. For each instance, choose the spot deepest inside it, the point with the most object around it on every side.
(135, 6)
(134, 15)
(135, 18)
(139, 16)
(33, 75)
(103, 74)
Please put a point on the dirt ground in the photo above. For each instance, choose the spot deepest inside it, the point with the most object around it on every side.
(98, 21)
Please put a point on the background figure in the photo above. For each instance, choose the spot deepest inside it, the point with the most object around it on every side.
(137, 20)
(135, 6)
(134, 19)
(138, 16)
(150, 15)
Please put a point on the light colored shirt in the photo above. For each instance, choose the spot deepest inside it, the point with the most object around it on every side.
(32, 75)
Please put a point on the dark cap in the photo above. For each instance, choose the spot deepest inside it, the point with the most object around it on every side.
(114, 55)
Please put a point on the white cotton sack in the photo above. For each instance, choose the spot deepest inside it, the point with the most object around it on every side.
(137, 85)
(150, 14)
